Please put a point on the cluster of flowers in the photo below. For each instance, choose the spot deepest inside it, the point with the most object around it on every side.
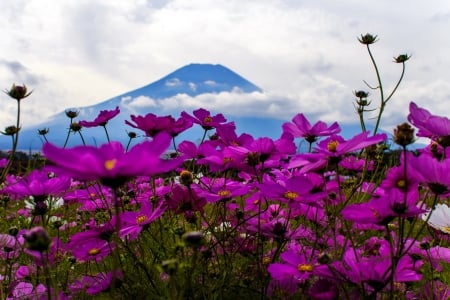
(333, 223)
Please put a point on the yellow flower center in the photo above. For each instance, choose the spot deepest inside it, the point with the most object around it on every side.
(224, 193)
(141, 219)
(305, 267)
(94, 251)
(110, 164)
(401, 183)
(332, 146)
(227, 160)
(290, 195)
(446, 229)
(207, 120)
(266, 260)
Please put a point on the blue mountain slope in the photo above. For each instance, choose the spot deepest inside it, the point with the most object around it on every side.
(192, 80)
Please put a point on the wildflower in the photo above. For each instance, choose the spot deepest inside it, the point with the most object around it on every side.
(18, 92)
(94, 244)
(39, 185)
(336, 146)
(301, 127)
(102, 119)
(95, 284)
(219, 189)
(433, 127)
(438, 217)
(110, 163)
(297, 267)
(152, 124)
(26, 290)
(432, 172)
(203, 118)
(37, 239)
(134, 221)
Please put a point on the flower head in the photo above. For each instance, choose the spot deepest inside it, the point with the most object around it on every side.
(300, 127)
(110, 163)
(18, 92)
(102, 119)
(204, 118)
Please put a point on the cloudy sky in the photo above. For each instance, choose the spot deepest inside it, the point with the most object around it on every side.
(303, 53)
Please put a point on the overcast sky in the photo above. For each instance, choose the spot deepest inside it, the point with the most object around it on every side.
(303, 54)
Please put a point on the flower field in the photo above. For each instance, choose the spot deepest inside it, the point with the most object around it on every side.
(231, 217)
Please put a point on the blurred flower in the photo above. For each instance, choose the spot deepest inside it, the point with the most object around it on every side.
(37, 239)
(102, 119)
(434, 127)
(110, 163)
(152, 124)
(95, 284)
(438, 217)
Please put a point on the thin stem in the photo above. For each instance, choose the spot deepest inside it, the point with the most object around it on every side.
(106, 131)
(68, 133)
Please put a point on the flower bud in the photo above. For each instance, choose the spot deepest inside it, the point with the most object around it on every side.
(194, 239)
(18, 92)
(404, 134)
(43, 131)
(72, 113)
(367, 39)
(75, 127)
(186, 178)
(401, 58)
(37, 239)
(11, 130)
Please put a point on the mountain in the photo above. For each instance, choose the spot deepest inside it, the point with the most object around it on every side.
(184, 84)
(191, 80)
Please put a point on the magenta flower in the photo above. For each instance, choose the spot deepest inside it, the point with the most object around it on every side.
(39, 184)
(110, 163)
(134, 221)
(203, 118)
(94, 244)
(430, 126)
(217, 189)
(432, 172)
(300, 127)
(102, 119)
(95, 284)
(297, 267)
(335, 145)
(288, 190)
(152, 124)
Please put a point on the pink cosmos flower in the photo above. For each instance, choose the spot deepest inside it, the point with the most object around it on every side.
(203, 118)
(152, 124)
(134, 221)
(336, 145)
(102, 119)
(430, 126)
(110, 163)
(95, 284)
(38, 184)
(94, 244)
(300, 127)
